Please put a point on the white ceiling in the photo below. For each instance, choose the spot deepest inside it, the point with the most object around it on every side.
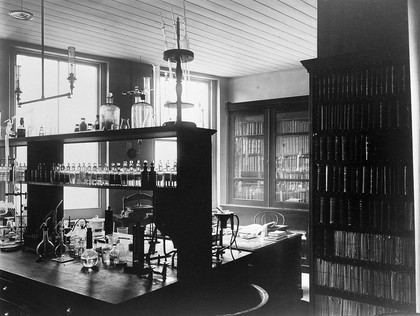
(229, 38)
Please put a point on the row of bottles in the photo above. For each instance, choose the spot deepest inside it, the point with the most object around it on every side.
(116, 174)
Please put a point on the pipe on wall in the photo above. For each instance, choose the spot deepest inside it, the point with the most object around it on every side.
(414, 45)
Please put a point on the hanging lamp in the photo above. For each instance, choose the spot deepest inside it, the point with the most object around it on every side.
(20, 14)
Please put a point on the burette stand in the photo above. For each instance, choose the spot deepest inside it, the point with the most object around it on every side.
(222, 220)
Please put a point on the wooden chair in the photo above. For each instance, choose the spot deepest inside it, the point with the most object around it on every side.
(265, 217)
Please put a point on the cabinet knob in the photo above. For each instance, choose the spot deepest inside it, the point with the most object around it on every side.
(5, 288)
(68, 311)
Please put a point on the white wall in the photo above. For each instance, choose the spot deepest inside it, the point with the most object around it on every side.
(270, 85)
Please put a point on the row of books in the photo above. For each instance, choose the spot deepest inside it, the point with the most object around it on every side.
(292, 145)
(292, 126)
(292, 163)
(332, 306)
(249, 146)
(361, 148)
(243, 128)
(249, 190)
(384, 80)
(292, 192)
(386, 284)
(393, 250)
(369, 115)
(292, 174)
(393, 214)
(245, 164)
(381, 179)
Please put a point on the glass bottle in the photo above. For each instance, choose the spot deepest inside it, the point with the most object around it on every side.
(145, 175)
(109, 114)
(41, 131)
(137, 174)
(105, 174)
(131, 177)
(78, 174)
(112, 174)
(152, 175)
(124, 174)
(83, 125)
(159, 174)
(72, 174)
(77, 128)
(174, 173)
(88, 174)
(114, 254)
(96, 125)
(21, 132)
(117, 174)
(89, 256)
(141, 111)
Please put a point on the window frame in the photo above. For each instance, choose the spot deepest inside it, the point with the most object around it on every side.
(61, 55)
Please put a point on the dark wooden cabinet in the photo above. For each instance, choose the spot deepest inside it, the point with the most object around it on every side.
(269, 160)
(361, 219)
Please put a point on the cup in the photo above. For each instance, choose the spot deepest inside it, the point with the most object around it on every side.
(122, 230)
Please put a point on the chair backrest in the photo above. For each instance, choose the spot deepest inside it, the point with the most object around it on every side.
(137, 199)
(265, 217)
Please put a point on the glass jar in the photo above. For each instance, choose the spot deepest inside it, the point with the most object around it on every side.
(82, 125)
(109, 114)
(141, 111)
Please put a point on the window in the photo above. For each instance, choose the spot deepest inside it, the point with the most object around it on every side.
(197, 91)
(60, 115)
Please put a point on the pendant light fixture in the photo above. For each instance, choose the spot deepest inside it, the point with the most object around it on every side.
(71, 63)
(21, 14)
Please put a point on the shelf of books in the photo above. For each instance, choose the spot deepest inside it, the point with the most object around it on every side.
(292, 158)
(362, 187)
(249, 157)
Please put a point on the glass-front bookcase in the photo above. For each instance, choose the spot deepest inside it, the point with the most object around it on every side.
(269, 153)
(292, 157)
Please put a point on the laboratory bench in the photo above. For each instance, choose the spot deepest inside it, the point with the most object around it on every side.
(29, 287)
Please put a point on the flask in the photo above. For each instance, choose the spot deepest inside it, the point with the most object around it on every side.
(141, 111)
(89, 256)
(45, 248)
(82, 125)
(61, 249)
(109, 114)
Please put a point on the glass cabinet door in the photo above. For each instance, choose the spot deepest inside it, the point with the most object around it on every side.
(292, 158)
(248, 157)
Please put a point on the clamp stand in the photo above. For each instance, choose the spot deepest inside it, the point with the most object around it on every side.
(223, 219)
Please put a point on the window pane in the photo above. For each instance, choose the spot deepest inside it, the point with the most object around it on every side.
(196, 92)
(60, 115)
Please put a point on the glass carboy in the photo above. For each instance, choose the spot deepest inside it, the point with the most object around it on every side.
(141, 111)
(109, 114)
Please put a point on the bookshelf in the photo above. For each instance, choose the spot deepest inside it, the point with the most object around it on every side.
(269, 160)
(361, 220)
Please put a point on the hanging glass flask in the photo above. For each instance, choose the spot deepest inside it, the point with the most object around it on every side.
(109, 114)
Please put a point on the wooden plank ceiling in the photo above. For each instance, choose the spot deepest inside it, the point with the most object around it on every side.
(229, 38)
